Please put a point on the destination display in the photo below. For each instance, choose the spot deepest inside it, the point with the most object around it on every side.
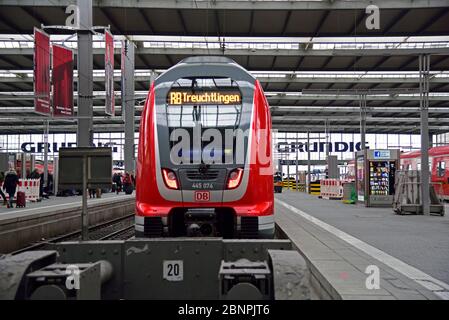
(188, 97)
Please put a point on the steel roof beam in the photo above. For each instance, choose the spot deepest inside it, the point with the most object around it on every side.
(241, 4)
(274, 109)
(287, 79)
(366, 52)
(272, 98)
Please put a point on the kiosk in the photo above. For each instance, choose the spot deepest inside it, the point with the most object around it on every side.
(375, 181)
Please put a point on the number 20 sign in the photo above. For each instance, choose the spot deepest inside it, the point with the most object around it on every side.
(173, 270)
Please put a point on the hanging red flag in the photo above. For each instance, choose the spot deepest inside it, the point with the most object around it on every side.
(41, 72)
(109, 73)
(62, 81)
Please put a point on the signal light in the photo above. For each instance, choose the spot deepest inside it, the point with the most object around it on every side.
(235, 177)
(170, 179)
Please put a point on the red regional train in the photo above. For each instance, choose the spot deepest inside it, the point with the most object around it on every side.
(438, 164)
(204, 164)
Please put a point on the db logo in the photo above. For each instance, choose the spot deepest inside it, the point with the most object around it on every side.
(202, 196)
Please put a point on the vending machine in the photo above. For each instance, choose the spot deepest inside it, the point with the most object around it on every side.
(376, 171)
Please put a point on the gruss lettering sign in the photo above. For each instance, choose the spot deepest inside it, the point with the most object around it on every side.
(204, 97)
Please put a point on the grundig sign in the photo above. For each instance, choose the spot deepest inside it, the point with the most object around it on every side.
(285, 147)
(204, 98)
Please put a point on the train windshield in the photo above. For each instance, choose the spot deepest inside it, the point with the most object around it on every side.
(209, 102)
(204, 103)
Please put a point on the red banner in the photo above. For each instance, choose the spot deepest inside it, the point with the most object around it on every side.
(41, 72)
(62, 81)
(109, 73)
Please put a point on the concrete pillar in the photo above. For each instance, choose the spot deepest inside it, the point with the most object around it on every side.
(32, 162)
(362, 104)
(85, 75)
(424, 69)
(297, 160)
(46, 153)
(308, 162)
(23, 165)
(128, 106)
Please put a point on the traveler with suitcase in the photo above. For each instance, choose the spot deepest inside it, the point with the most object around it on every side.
(20, 200)
(10, 185)
(127, 184)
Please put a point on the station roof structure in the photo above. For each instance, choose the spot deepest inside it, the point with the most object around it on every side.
(313, 58)
(242, 18)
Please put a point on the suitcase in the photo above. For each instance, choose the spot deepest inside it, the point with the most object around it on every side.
(128, 189)
(20, 201)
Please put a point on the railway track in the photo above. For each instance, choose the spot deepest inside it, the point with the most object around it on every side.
(117, 229)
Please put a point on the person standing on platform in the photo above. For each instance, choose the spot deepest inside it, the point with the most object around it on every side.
(10, 185)
(43, 189)
(133, 179)
(118, 182)
(34, 175)
(127, 184)
(2, 179)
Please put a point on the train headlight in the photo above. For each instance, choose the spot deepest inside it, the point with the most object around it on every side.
(170, 179)
(235, 177)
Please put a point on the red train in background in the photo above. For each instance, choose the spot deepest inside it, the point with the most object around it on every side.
(438, 164)
(204, 164)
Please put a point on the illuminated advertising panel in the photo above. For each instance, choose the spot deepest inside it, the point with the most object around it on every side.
(62, 75)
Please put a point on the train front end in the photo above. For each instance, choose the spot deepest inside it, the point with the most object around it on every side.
(205, 160)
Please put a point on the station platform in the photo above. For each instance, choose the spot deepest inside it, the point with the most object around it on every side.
(341, 241)
(56, 203)
(20, 227)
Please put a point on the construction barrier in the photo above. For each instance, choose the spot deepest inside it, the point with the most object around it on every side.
(332, 189)
(291, 185)
(30, 187)
(315, 188)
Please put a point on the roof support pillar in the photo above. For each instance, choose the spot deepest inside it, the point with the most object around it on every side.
(308, 162)
(424, 77)
(362, 104)
(85, 75)
(128, 106)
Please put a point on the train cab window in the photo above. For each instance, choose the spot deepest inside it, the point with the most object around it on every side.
(211, 102)
(206, 103)
(441, 169)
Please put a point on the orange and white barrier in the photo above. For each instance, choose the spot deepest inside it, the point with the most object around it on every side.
(332, 188)
(30, 187)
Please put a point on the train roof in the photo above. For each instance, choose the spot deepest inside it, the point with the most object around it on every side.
(206, 66)
(439, 151)
(410, 155)
(208, 59)
(433, 152)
